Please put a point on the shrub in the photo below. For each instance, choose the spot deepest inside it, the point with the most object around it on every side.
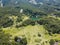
(5, 22)
(52, 42)
(22, 41)
(28, 22)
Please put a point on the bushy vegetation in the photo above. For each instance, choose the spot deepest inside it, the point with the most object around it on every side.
(51, 24)
(34, 13)
(5, 22)
(28, 22)
(4, 38)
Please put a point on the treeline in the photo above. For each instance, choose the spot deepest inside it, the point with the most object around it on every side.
(51, 24)
(34, 13)
(5, 12)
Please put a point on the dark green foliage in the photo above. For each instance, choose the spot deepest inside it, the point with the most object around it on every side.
(8, 24)
(28, 22)
(52, 42)
(34, 13)
(18, 26)
(42, 22)
(5, 22)
(39, 35)
(51, 24)
(19, 19)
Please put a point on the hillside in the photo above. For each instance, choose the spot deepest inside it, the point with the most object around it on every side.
(29, 22)
(35, 34)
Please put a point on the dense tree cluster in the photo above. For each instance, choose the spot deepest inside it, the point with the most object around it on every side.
(51, 24)
(34, 13)
(5, 22)
(19, 19)
(28, 22)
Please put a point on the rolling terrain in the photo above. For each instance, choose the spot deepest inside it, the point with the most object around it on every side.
(29, 22)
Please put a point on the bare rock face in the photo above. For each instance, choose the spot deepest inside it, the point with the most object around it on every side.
(21, 10)
(1, 3)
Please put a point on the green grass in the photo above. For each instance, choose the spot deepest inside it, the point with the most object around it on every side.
(31, 33)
